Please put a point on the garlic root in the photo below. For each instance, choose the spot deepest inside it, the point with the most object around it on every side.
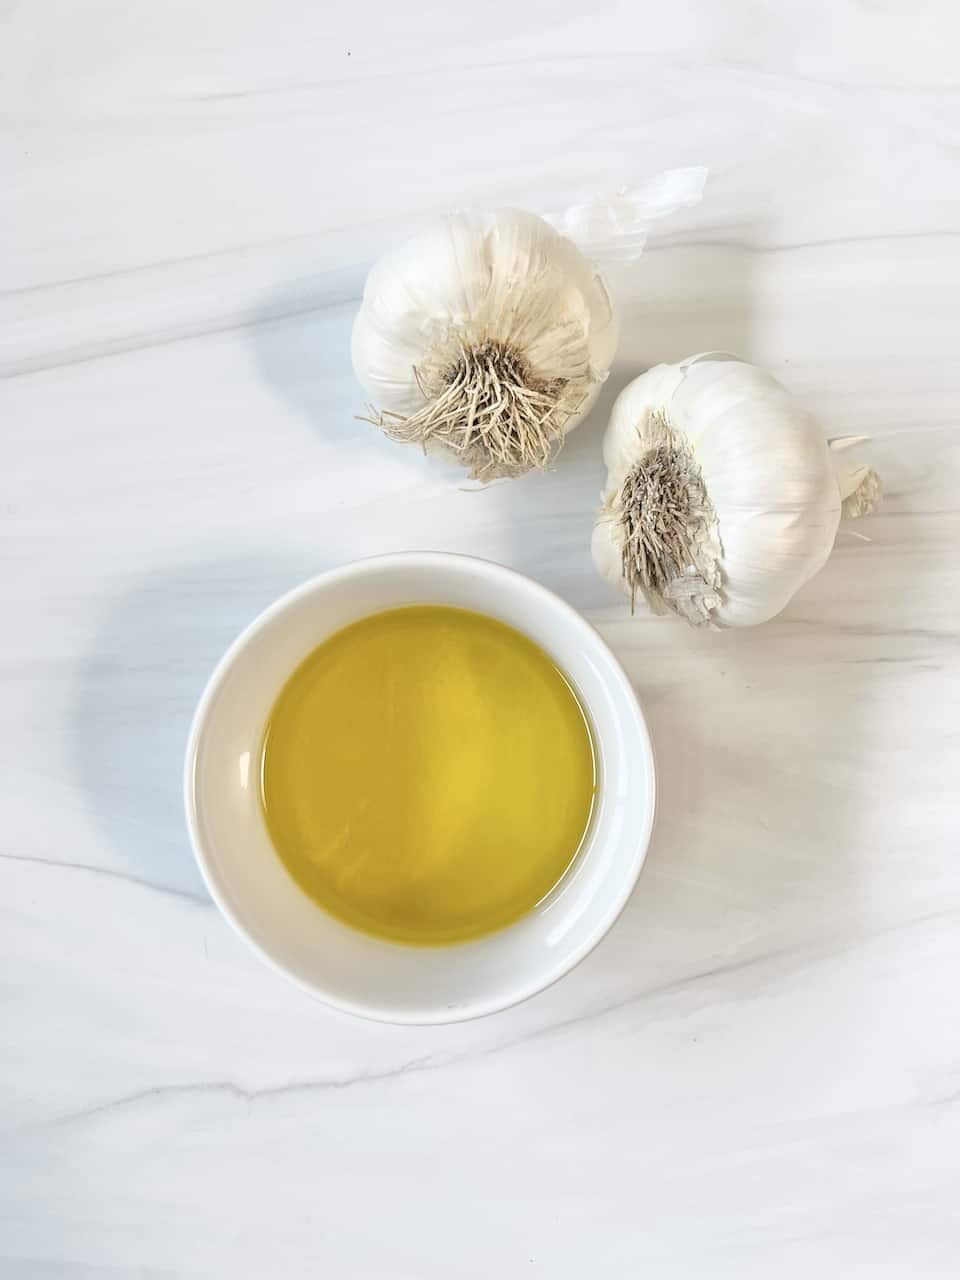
(670, 552)
(490, 408)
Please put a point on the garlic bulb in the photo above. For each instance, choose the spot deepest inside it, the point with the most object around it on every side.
(486, 339)
(723, 496)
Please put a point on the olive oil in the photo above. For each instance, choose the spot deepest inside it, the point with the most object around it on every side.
(427, 775)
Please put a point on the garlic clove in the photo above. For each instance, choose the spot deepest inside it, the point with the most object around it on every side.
(629, 414)
(711, 386)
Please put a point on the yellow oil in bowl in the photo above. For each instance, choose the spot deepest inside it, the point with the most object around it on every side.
(427, 775)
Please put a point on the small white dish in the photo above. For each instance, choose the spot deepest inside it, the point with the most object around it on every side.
(346, 968)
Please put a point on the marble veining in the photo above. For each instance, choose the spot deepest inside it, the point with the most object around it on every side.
(758, 1072)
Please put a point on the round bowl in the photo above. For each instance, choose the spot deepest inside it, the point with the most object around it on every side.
(343, 967)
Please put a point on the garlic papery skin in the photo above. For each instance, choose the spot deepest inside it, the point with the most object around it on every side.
(723, 496)
(486, 338)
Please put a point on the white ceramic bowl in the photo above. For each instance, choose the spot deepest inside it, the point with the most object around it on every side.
(346, 968)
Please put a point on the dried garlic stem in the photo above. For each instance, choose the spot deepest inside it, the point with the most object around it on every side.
(860, 487)
(491, 409)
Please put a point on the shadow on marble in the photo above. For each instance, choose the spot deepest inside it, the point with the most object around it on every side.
(155, 648)
(301, 345)
(690, 297)
(303, 355)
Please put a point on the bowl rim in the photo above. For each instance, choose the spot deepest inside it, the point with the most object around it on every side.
(422, 560)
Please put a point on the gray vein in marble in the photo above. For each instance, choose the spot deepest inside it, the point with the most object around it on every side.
(436, 1062)
(664, 243)
(866, 632)
(234, 1090)
(162, 265)
(667, 242)
(781, 77)
(153, 885)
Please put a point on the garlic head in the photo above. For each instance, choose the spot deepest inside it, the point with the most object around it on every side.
(486, 339)
(723, 496)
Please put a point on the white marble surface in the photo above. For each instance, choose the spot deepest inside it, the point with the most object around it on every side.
(758, 1073)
